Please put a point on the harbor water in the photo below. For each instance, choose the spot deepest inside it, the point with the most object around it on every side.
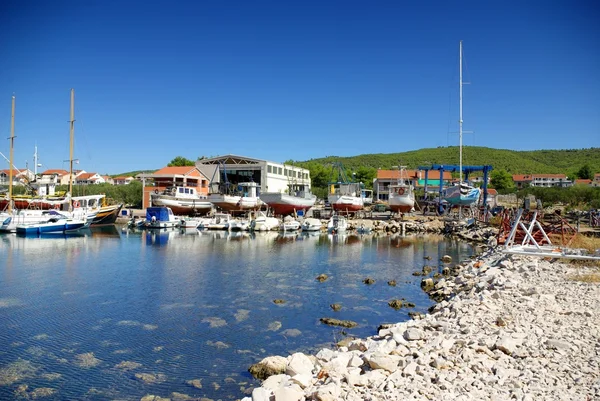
(114, 314)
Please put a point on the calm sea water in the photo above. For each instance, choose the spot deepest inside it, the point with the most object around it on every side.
(81, 316)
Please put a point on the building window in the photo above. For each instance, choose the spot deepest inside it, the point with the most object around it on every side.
(269, 169)
(279, 171)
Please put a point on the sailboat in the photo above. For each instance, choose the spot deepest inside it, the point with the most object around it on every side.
(462, 194)
(402, 195)
(61, 222)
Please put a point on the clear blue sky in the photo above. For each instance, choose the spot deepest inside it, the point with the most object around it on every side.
(282, 80)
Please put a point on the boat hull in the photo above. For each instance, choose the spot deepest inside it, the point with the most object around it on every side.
(346, 203)
(107, 215)
(231, 203)
(287, 204)
(183, 206)
(60, 226)
(459, 197)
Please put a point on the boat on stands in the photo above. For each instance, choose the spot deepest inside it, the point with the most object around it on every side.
(402, 194)
(236, 197)
(311, 224)
(298, 198)
(56, 223)
(337, 224)
(182, 200)
(462, 194)
(345, 196)
(160, 217)
(262, 222)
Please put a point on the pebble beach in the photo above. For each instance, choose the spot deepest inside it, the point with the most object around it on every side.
(507, 328)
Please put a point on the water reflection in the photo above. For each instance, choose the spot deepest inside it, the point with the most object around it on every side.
(178, 306)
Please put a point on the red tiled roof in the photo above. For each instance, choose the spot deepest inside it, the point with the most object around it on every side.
(85, 176)
(550, 176)
(14, 171)
(182, 170)
(583, 181)
(55, 171)
(492, 191)
(122, 178)
(522, 177)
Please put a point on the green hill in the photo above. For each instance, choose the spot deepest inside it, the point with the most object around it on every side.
(564, 161)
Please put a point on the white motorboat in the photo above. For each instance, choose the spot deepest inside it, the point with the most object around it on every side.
(160, 217)
(337, 224)
(311, 224)
(220, 221)
(239, 225)
(289, 224)
(262, 222)
(236, 197)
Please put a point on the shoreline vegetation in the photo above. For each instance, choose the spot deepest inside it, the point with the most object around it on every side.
(507, 327)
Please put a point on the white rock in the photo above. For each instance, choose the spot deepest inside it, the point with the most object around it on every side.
(299, 364)
(289, 393)
(261, 394)
(383, 361)
(413, 334)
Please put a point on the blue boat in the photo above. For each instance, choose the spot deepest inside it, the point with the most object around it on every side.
(56, 223)
(160, 217)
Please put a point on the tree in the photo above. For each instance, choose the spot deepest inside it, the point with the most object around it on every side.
(585, 172)
(180, 161)
(366, 175)
(501, 180)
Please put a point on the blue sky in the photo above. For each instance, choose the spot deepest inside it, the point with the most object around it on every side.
(282, 80)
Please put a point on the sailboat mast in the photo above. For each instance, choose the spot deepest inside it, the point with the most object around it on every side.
(72, 132)
(460, 112)
(12, 143)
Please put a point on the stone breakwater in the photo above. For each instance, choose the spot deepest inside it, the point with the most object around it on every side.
(509, 328)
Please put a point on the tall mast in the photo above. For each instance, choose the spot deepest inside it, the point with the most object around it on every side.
(460, 114)
(72, 132)
(35, 161)
(10, 166)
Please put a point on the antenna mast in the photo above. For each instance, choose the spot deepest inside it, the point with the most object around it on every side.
(12, 143)
(72, 132)
(460, 112)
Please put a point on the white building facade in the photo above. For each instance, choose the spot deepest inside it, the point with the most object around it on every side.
(272, 176)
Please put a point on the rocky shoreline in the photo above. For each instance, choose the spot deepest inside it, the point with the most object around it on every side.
(507, 328)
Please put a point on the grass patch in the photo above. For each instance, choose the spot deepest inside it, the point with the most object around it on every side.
(586, 278)
(591, 244)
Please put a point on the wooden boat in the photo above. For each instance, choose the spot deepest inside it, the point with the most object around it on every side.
(297, 199)
(160, 217)
(345, 196)
(107, 214)
(182, 200)
(401, 196)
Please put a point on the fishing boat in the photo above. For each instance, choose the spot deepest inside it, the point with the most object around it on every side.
(337, 224)
(345, 196)
(182, 200)
(298, 198)
(401, 196)
(462, 194)
(160, 217)
(236, 197)
(56, 223)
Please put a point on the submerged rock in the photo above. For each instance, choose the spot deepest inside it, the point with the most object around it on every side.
(16, 371)
(369, 281)
(322, 277)
(151, 378)
(128, 365)
(392, 283)
(336, 307)
(87, 360)
(279, 301)
(269, 366)
(337, 322)
(196, 383)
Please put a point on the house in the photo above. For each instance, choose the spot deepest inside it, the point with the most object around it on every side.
(522, 180)
(48, 181)
(492, 197)
(541, 180)
(19, 176)
(596, 180)
(416, 178)
(583, 181)
(88, 179)
(108, 179)
(122, 180)
(185, 176)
